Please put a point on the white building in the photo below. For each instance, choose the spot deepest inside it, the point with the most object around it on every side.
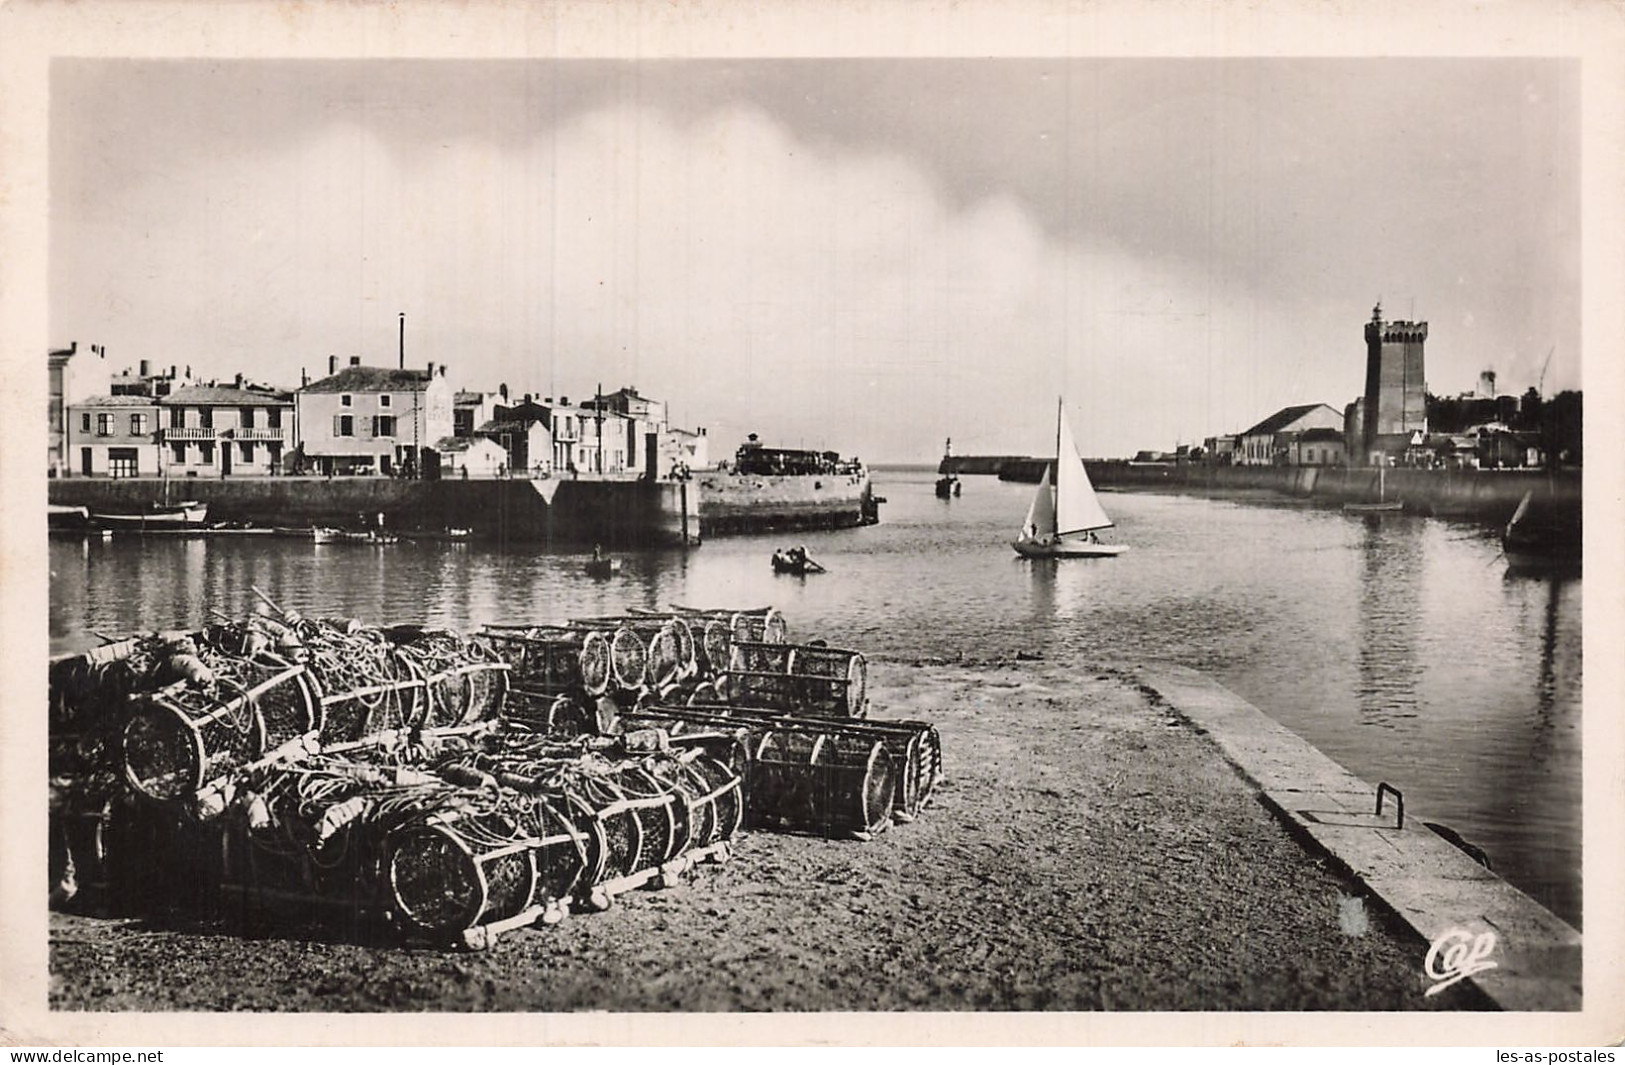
(226, 431)
(113, 436)
(368, 419)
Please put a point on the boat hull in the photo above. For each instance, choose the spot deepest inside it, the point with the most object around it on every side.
(1067, 549)
(182, 516)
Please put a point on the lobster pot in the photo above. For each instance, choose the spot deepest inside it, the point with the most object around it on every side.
(662, 811)
(823, 783)
(553, 661)
(88, 691)
(914, 747)
(768, 626)
(668, 638)
(464, 679)
(831, 681)
(565, 714)
(629, 660)
(459, 871)
(561, 852)
(759, 673)
(180, 739)
(610, 819)
(716, 643)
(367, 687)
(713, 794)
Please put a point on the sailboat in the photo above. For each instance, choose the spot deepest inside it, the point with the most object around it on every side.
(1063, 517)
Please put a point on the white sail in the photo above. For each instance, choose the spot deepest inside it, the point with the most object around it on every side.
(1040, 521)
(1077, 508)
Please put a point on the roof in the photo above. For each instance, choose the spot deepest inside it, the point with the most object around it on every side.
(1315, 435)
(471, 399)
(226, 396)
(1283, 418)
(455, 444)
(371, 379)
(116, 401)
(511, 426)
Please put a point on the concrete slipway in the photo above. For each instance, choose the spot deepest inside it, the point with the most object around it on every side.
(1428, 882)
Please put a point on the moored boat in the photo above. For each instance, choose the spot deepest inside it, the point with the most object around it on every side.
(156, 517)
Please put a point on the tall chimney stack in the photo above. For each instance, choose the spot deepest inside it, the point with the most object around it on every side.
(332, 365)
(146, 368)
(403, 345)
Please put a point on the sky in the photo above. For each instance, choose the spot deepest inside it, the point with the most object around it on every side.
(865, 255)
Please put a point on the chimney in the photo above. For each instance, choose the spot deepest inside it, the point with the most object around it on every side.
(172, 372)
(304, 377)
(564, 401)
(238, 381)
(502, 390)
(527, 399)
(73, 346)
(431, 369)
(146, 368)
(332, 365)
(355, 360)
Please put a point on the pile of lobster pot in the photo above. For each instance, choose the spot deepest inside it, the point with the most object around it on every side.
(454, 787)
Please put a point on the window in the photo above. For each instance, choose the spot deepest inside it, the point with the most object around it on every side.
(205, 453)
(85, 466)
(344, 401)
(177, 417)
(247, 451)
(383, 400)
(343, 425)
(383, 425)
(138, 425)
(205, 417)
(273, 418)
(179, 452)
(84, 423)
(104, 425)
(245, 417)
(121, 462)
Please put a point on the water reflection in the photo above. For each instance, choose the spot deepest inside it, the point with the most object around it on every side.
(1388, 620)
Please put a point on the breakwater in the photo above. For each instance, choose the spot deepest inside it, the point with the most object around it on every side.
(1479, 495)
(738, 503)
(613, 513)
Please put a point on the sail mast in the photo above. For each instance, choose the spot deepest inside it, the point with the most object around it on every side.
(1055, 495)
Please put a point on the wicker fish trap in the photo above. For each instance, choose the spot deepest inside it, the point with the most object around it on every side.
(553, 660)
(460, 870)
(914, 748)
(766, 627)
(822, 783)
(465, 680)
(798, 678)
(367, 686)
(673, 650)
(181, 738)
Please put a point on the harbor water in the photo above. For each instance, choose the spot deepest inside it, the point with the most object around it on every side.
(1400, 646)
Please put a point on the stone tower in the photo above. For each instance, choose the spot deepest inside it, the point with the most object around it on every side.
(1395, 384)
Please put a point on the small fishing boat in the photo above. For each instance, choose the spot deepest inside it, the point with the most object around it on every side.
(1382, 505)
(1064, 517)
(323, 535)
(795, 561)
(59, 518)
(603, 566)
(156, 517)
(1540, 543)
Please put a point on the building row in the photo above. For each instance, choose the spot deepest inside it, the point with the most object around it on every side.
(1386, 425)
(356, 420)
